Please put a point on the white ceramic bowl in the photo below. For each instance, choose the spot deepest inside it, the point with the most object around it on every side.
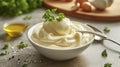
(54, 53)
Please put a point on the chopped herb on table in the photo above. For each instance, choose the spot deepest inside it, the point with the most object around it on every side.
(104, 53)
(108, 65)
(22, 45)
(24, 65)
(5, 46)
(3, 53)
(106, 30)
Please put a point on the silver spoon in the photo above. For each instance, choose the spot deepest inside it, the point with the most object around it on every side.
(99, 35)
(97, 38)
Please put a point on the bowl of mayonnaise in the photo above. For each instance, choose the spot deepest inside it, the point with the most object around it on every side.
(60, 40)
(57, 37)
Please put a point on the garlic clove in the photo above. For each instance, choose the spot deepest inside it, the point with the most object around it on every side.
(86, 6)
(109, 3)
(101, 4)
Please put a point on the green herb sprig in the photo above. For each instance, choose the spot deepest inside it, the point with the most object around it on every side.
(50, 15)
(60, 16)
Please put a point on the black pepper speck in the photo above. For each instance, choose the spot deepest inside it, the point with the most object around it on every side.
(18, 59)
(12, 57)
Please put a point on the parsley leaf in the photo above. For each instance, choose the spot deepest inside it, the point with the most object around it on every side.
(60, 16)
(106, 30)
(108, 65)
(3, 53)
(50, 15)
(5, 46)
(22, 45)
(24, 65)
(104, 53)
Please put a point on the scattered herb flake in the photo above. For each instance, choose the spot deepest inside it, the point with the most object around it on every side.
(108, 65)
(27, 17)
(5, 46)
(22, 45)
(104, 53)
(106, 30)
(24, 65)
(3, 53)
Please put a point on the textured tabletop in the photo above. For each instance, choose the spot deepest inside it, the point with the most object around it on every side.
(91, 57)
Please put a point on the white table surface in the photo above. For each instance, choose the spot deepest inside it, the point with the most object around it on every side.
(91, 57)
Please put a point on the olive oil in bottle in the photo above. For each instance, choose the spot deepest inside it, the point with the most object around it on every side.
(14, 29)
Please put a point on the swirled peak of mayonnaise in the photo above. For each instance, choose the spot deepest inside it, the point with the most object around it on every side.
(58, 27)
(61, 34)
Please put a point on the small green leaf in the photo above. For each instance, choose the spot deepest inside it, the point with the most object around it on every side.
(61, 16)
(53, 10)
(24, 65)
(106, 30)
(22, 45)
(104, 53)
(3, 53)
(108, 65)
(5, 46)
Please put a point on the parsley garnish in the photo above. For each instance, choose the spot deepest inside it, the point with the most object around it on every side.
(50, 15)
(22, 45)
(104, 53)
(60, 16)
(3, 53)
(106, 30)
(108, 65)
(5, 46)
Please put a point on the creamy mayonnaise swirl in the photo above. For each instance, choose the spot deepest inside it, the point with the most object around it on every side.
(61, 34)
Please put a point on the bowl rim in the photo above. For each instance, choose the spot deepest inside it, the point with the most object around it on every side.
(15, 22)
(34, 43)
